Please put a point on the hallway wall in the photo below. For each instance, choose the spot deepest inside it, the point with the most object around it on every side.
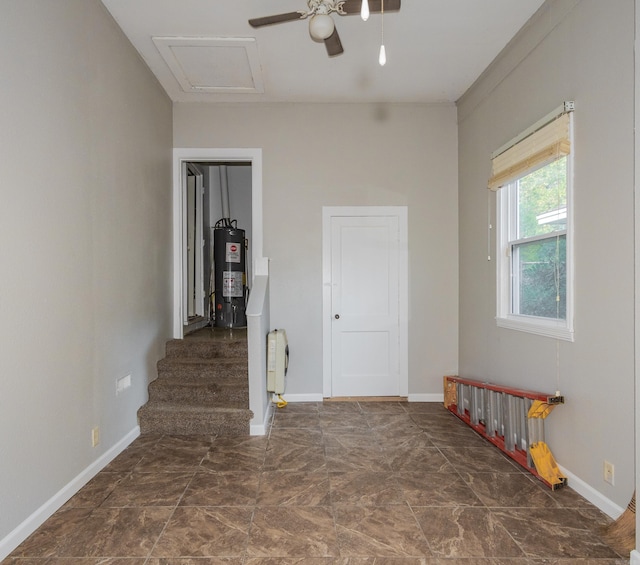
(581, 51)
(85, 244)
(317, 155)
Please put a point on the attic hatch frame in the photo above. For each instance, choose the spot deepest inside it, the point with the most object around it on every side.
(211, 155)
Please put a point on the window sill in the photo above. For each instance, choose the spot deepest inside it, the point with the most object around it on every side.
(537, 326)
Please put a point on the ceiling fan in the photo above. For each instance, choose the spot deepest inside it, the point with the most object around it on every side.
(321, 24)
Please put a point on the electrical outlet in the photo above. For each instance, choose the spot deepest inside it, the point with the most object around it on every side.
(609, 473)
(95, 436)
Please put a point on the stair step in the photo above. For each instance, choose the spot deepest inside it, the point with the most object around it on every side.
(194, 390)
(205, 368)
(174, 419)
(207, 348)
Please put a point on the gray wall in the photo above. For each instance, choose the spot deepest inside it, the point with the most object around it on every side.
(582, 51)
(317, 155)
(85, 244)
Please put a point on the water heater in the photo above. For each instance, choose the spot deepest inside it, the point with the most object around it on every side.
(229, 257)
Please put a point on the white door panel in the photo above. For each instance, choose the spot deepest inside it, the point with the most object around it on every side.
(365, 306)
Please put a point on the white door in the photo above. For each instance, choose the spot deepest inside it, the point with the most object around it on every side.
(193, 277)
(365, 319)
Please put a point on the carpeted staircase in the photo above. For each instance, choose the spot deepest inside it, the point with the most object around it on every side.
(202, 388)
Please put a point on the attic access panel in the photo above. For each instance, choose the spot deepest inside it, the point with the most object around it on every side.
(213, 64)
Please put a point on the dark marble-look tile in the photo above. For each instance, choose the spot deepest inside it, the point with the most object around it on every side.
(348, 438)
(455, 439)
(287, 457)
(341, 459)
(566, 496)
(51, 538)
(148, 489)
(95, 492)
(196, 443)
(296, 420)
(413, 455)
(118, 532)
(286, 531)
(379, 531)
(439, 422)
(211, 488)
(465, 532)
(171, 458)
(205, 532)
(383, 561)
(573, 561)
(435, 489)
(387, 423)
(365, 488)
(194, 561)
(76, 561)
(383, 408)
(338, 407)
(291, 561)
(426, 408)
(128, 459)
(554, 532)
(298, 408)
(292, 436)
(353, 420)
(508, 490)
(292, 488)
(480, 459)
(236, 454)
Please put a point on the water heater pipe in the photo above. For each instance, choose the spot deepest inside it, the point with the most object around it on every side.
(224, 192)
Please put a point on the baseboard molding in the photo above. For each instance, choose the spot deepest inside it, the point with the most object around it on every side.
(596, 498)
(302, 397)
(437, 397)
(33, 522)
(261, 429)
(635, 557)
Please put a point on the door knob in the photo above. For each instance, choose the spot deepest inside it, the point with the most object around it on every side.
(337, 316)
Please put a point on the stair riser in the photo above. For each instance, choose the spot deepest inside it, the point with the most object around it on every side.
(206, 349)
(157, 422)
(206, 396)
(205, 372)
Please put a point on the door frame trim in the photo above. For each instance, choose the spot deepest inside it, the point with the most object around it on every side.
(400, 212)
(211, 155)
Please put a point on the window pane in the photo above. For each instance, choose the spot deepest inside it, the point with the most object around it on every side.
(542, 200)
(540, 278)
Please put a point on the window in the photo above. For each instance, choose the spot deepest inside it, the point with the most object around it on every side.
(534, 266)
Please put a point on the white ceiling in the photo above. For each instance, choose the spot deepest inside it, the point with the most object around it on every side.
(205, 51)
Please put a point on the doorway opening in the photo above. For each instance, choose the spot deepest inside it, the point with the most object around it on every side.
(208, 185)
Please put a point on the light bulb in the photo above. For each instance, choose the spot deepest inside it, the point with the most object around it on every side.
(364, 12)
(382, 59)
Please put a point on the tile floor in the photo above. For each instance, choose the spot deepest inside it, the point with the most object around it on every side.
(345, 483)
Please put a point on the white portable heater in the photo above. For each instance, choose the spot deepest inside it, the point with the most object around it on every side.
(277, 361)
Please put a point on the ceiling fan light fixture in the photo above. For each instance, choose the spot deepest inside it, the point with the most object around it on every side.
(321, 26)
(364, 11)
(382, 58)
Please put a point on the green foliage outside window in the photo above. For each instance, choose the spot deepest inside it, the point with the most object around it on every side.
(540, 265)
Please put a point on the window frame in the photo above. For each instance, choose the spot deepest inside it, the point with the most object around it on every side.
(506, 216)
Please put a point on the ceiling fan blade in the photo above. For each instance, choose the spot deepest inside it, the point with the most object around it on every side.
(333, 44)
(276, 19)
(354, 6)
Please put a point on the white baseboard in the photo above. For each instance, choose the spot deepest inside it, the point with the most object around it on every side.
(425, 397)
(33, 522)
(293, 398)
(635, 557)
(261, 429)
(596, 498)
